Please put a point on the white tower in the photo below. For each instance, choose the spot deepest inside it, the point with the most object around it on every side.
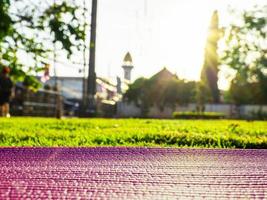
(127, 66)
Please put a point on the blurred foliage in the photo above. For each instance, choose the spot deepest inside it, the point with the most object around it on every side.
(5, 23)
(246, 54)
(208, 88)
(28, 30)
(161, 92)
(198, 115)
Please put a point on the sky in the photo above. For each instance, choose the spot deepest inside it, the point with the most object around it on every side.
(157, 33)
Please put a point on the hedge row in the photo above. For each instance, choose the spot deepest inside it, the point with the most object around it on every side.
(198, 115)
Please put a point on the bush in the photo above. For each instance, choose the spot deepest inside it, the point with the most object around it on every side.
(259, 115)
(198, 115)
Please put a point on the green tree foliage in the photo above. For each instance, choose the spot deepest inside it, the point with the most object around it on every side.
(161, 92)
(137, 93)
(29, 29)
(5, 19)
(202, 96)
(208, 88)
(246, 54)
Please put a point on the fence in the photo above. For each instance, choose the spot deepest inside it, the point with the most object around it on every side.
(29, 103)
(125, 109)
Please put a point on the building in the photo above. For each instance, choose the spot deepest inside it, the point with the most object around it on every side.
(71, 90)
(127, 66)
(108, 91)
(164, 74)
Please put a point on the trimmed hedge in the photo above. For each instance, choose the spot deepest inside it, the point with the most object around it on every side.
(198, 115)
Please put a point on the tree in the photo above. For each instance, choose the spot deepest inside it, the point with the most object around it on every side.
(161, 90)
(30, 28)
(208, 88)
(246, 54)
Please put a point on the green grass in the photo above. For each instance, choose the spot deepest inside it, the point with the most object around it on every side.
(133, 132)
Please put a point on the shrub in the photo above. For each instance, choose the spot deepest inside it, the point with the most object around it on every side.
(198, 115)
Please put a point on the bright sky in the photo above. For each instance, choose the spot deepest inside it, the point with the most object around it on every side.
(157, 33)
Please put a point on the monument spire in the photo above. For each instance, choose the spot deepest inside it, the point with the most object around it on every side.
(127, 66)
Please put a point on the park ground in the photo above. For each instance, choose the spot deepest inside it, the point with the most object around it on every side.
(47, 132)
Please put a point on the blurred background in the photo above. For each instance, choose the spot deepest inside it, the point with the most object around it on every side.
(142, 58)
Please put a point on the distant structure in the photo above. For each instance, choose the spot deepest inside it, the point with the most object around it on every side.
(164, 74)
(127, 66)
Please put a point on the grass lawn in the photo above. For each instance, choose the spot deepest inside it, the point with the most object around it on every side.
(133, 132)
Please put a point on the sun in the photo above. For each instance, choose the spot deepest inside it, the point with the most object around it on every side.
(177, 38)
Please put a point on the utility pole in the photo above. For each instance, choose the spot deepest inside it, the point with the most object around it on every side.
(84, 61)
(58, 110)
(91, 89)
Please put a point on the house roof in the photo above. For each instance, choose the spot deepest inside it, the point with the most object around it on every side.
(164, 74)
